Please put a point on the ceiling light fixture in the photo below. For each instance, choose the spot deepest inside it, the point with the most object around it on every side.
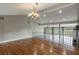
(34, 14)
(64, 19)
(60, 11)
(44, 15)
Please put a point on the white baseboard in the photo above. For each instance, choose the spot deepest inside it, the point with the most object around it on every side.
(15, 39)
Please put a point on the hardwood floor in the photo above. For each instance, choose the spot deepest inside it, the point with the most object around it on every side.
(36, 46)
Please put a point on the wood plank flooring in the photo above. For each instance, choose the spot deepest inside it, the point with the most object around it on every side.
(35, 46)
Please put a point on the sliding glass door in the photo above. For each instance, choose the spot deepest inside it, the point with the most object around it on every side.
(59, 34)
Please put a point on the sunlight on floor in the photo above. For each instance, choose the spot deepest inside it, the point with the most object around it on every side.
(42, 46)
(35, 51)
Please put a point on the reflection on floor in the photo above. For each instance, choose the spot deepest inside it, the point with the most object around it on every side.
(35, 46)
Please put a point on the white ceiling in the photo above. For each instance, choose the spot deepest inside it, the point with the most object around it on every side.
(69, 11)
(69, 14)
(20, 8)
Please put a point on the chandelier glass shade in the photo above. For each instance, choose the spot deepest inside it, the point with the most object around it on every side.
(33, 14)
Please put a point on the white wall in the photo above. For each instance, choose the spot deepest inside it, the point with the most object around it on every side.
(17, 27)
(1, 30)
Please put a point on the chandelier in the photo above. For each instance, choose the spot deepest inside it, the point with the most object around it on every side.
(34, 14)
